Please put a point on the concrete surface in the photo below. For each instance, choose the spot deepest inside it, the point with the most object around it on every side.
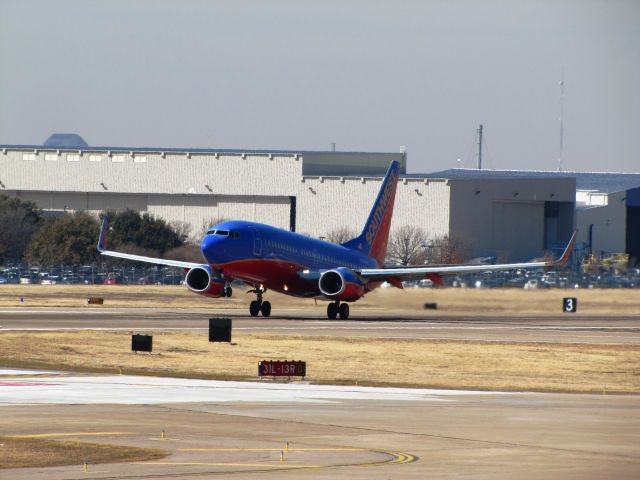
(334, 432)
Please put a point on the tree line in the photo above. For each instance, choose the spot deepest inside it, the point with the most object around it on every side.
(412, 245)
(26, 235)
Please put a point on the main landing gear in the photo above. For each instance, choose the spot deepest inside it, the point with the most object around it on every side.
(227, 291)
(336, 308)
(258, 306)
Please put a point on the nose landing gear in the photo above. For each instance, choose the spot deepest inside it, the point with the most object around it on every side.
(335, 309)
(258, 306)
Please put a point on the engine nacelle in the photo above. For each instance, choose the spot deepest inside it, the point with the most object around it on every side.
(201, 280)
(341, 284)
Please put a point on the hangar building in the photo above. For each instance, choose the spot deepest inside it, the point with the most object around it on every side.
(607, 205)
(312, 192)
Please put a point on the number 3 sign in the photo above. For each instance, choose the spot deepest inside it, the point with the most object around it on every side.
(569, 304)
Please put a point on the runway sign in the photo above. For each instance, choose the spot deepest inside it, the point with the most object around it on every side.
(141, 343)
(220, 330)
(282, 368)
(95, 301)
(570, 304)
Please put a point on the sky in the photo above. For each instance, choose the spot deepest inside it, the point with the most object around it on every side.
(298, 75)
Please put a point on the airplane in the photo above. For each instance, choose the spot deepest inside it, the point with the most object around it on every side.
(270, 258)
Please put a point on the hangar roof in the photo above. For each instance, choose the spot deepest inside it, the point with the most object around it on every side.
(315, 162)
(598, 181)
(184, 149)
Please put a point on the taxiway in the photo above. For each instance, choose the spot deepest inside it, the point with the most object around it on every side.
(566, 328)
(224, 428)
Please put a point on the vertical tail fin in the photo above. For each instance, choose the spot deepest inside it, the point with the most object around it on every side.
(375, 234)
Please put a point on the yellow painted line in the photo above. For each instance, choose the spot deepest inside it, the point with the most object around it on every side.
(211, 464)
(275, 450)
(70, 434)
(400, 458)
(397, 458)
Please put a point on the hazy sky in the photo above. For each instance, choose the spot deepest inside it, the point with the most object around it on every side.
(368, 75)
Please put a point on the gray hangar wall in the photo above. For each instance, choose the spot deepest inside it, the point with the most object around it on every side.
(194, 188)
(512, 218)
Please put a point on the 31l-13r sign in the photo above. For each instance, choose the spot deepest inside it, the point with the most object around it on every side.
(282, 368)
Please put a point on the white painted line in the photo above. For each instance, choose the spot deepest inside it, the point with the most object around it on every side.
(153, 390)
(21, 371)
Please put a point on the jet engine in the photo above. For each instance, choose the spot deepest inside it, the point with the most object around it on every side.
(341, 284)
(201, 280)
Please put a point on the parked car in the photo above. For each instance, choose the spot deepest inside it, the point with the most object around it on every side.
(113, 279)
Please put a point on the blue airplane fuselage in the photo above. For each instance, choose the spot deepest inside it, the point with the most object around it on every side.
(277, 259)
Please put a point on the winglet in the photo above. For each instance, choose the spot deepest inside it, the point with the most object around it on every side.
(567, 251)
(102, 241)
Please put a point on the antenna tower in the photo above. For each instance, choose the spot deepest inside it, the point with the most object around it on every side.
(480, 147)
(561, 120)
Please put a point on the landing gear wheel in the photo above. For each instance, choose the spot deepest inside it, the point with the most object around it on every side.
(266, 309)
(344, 311)
(332, 311)
(226, 292)
(254, 308)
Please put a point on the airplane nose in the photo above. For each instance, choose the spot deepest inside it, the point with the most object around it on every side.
(207, 246)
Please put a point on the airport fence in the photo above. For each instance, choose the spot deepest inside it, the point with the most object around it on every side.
(90, 274)
(603, 277)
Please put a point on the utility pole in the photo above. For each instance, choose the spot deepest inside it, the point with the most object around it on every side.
(561, 120)
(480, 147)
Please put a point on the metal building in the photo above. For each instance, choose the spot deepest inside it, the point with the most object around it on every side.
(607, 206)
(608, 213)
(315, 193)
(192, 187)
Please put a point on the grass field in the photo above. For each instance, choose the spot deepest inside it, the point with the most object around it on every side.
(20, 452)
(423, 363)
(450, 300)
(418, 363)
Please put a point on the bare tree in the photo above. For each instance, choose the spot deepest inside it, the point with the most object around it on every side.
(448, 249)
(407, 246)
(183, 229)
(185, 253)
(341, 235)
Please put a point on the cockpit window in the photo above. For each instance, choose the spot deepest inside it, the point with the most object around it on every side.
(225, 233)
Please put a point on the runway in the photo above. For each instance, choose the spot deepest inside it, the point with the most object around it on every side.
(566, 328)
(240, 428)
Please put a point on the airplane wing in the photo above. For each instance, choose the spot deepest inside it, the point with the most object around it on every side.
(102, 248)
(434, 272)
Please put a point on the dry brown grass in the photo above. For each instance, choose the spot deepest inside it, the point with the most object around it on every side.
(451, 301)
(421, 363)
(18, 452)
